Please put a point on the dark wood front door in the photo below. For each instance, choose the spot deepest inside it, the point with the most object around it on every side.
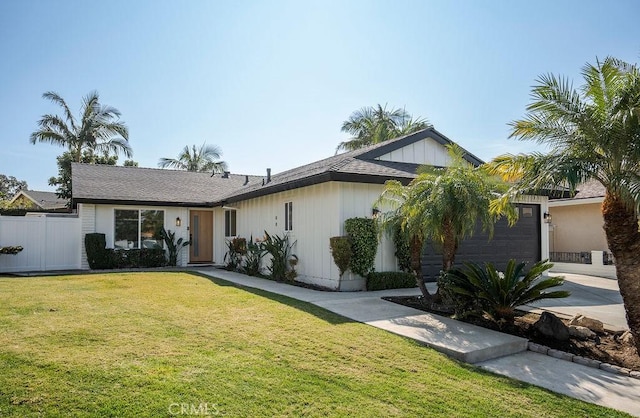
(201, 235)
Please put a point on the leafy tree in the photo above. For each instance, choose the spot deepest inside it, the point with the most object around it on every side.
(10, 185)
(372, 125)
(63, 180)
(130, 163)
(205, 158)
(443, 205)
(593, 134)
(99, 129)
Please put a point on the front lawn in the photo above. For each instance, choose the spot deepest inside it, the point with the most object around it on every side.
(175, 344)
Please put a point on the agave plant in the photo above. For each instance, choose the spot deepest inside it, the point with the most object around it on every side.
(174, 247)
(500, 293)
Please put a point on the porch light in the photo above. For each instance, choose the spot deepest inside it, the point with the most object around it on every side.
(547, 217)
(178, 221)
(375, 212)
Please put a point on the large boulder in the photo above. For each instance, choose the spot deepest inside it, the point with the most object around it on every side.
(584, 321)
(627, 338)
(582, 333)
(551, 326)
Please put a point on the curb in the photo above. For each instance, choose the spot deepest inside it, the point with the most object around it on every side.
(596, 364)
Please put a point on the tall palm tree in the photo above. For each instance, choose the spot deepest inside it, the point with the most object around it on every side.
(593, 134)
(205, 158)
(99, 129)
(371, 125)
(443, 205)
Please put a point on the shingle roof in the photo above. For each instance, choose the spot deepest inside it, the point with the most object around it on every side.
(102, 183)
(46, 200)
(358, 166)
(98, 183)
(591, 188)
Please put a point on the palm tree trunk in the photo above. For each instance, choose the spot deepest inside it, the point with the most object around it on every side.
(449, 247)
(416, 265)
(621, 228)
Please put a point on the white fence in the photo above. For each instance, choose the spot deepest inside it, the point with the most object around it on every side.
(50, 242)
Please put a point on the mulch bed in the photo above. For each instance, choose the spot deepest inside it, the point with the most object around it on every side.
(606, 347)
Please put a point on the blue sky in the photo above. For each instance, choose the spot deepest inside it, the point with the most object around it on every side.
(270, 82)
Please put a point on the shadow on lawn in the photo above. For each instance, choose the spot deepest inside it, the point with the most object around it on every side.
(306, 307)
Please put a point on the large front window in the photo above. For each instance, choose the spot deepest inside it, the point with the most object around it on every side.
(138, 228)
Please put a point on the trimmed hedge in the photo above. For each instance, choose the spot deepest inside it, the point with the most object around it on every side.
(390, 280)
(341, 252)
(97, 255)
(364, 244)
(101, 258)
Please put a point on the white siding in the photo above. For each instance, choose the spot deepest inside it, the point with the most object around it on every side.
(316, 218)
(87, 215)
(319, 213)
(50, 243)
(425, 151)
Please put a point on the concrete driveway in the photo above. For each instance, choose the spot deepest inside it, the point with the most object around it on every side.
(595, 297)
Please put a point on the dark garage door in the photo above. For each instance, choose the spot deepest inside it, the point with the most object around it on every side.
(521, 241)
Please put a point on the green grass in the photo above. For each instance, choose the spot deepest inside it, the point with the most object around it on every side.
(140, 344)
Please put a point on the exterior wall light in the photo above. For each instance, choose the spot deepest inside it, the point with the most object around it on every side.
(178, 221)
(375, 212)
(547, 217)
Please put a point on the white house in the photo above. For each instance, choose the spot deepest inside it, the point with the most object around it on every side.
(309, 203)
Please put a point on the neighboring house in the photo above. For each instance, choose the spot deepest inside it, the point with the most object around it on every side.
(577, 241)
(38, 201)
(309, 203)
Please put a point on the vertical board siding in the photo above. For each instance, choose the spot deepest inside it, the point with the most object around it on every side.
(50, 243)
(426, 151)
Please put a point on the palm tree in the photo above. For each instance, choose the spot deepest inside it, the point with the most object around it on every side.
(443, 205)
(371, 125)
(99, 129)
(593, 134)
(196, 159)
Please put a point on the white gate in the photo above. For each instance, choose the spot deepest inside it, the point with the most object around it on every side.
(50, 242)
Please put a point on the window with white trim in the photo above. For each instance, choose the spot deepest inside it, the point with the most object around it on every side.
(229, 223)
(138, 228)
(288, 216)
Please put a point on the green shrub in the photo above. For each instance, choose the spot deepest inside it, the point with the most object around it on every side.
(498, 293)
(236, 250)
(253, 258)
(97, 255)
(364, 244)
(12, 250)
(173, 246)
(390, 280)
(152, 257)
(341, 252)
(282, 260)
(402, 249)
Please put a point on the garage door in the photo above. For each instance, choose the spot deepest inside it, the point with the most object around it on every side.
(521, 241)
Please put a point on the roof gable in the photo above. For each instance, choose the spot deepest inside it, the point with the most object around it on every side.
(42, 199)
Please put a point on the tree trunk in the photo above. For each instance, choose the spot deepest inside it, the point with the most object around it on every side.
(621, 228)
(416, 265)
(449, 247)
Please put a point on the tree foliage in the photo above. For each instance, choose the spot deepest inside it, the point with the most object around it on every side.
(443, 205)
(363, 236)
(63, 180)
(593, 133)
(372, 125)
(9, 186)
(203, 159)
(98, 130)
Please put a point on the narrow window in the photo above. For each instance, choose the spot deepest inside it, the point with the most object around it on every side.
(229, 223)
(288, 216)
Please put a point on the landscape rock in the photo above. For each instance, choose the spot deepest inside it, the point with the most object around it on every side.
(551, 326)
(583, 333)
(627, 338)
(584, 321)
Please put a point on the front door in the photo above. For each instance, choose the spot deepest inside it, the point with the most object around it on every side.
(201, 235)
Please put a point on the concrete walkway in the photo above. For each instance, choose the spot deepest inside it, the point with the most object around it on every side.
(490, 350)
(596, 297)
